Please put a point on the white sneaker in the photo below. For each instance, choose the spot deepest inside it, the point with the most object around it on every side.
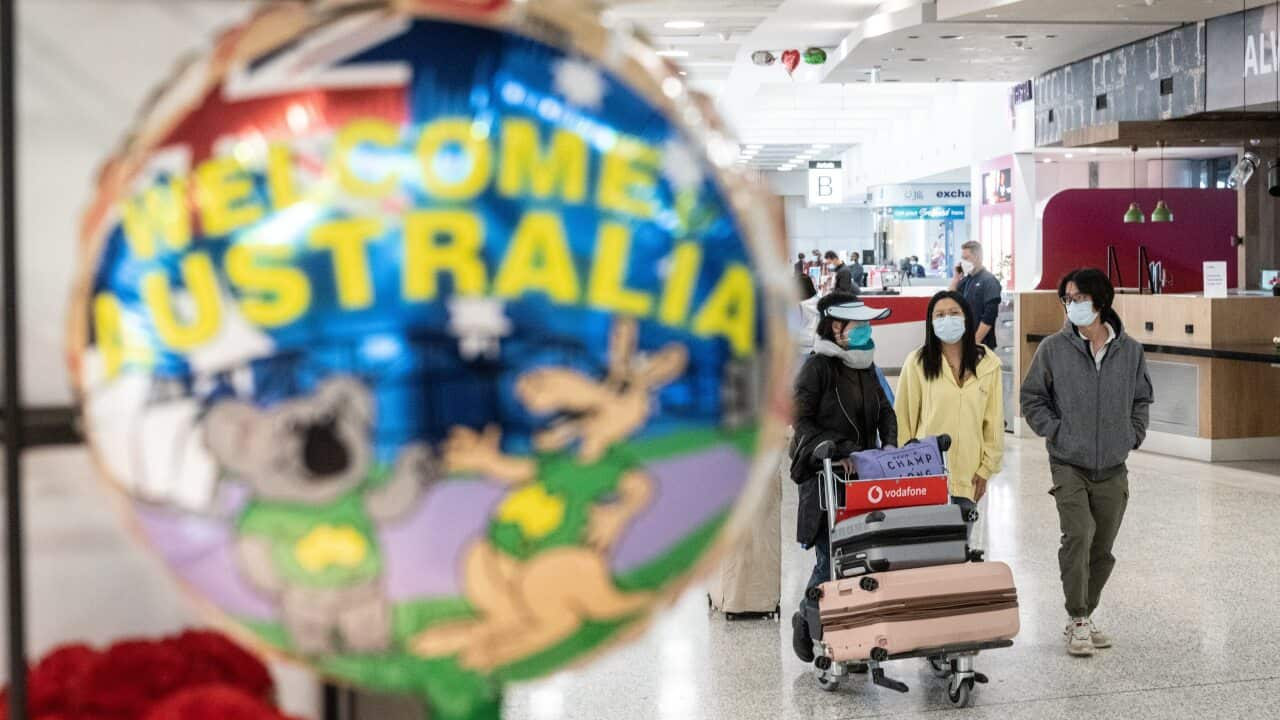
(1099, 639)
(1079, 639)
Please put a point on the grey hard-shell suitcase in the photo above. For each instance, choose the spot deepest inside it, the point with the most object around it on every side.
(900, 538)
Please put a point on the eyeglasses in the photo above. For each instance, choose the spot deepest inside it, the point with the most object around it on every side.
(1077, 298)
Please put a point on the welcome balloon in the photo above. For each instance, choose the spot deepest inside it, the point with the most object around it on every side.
(429, 342)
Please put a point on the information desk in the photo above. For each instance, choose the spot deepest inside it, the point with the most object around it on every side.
(1215, 372)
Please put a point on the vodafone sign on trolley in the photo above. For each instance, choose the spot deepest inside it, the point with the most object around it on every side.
(864, 496)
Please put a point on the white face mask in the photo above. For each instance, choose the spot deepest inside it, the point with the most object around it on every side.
(967, 267)
(949, 329)
(1081, 314)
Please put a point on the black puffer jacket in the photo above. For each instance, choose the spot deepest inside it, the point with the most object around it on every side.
(834, 402)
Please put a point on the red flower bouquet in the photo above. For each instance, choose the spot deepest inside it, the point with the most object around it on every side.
(191, 676)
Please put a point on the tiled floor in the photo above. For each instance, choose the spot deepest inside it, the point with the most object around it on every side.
(1194, 606)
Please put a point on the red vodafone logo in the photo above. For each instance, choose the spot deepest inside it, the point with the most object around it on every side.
(875, 494)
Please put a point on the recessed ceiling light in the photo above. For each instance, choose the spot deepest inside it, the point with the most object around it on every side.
(1070, 155)
(913, 37)
(950, 37)
(917, 60)
(682, 72)
(1050, 37)
(684, 24)
(1015, 37)
(1094, 151)
(993, 15)
(674, 53)
(1047, 160)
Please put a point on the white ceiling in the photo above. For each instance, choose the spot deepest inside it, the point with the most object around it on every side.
(1003, 52)
(773, 157)
(1172, 12)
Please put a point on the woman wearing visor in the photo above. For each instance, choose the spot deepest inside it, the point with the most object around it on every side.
(838, 397)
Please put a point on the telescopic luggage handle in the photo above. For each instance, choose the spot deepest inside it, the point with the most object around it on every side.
(825, 451)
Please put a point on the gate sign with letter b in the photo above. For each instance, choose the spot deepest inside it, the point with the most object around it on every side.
(826, 182)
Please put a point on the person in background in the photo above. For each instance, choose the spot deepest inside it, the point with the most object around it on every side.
(1089, 395)
(856, 269)
(801, 265)
(804, 323)
(843, 274)
(981, 291)
(952, 385)
(838, 397)
(916, 268)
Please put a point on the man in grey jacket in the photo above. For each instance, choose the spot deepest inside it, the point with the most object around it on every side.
(1088, 394)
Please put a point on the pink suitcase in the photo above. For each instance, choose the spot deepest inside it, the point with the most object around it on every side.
(907, 612)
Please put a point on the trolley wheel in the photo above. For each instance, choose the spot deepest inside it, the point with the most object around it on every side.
(858, 668)
(814, 593)
(869, 584)
(828, 682)
(962, 695)
(941, 668)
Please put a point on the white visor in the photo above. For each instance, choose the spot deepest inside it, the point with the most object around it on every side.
(857, 311)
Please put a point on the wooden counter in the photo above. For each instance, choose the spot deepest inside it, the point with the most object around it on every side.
(1215, 371)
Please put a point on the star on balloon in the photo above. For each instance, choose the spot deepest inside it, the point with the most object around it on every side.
(580, 83)
(681, 167)
(479, 324)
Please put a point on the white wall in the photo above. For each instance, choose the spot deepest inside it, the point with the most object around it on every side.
(839, 228)
(965, 124)
(84, 68)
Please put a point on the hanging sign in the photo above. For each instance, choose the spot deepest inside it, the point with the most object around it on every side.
(826, 182)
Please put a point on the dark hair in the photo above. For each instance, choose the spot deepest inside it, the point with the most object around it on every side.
(831, 255)
(805, 283)
(931, 354)
(801, 256)
(1094, 283)
(825, 329)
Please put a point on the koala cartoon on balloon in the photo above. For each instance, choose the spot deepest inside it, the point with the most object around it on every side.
(308, 535)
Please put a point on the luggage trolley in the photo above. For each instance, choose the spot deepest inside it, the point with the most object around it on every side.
(872, 497)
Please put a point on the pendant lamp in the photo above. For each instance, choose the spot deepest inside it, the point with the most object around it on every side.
(1134, 215)
(1162, 213)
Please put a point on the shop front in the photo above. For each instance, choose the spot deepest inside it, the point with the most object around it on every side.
(919, 231)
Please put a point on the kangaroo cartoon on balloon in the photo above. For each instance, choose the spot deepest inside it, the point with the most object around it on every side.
(308, 535)
(542, 569)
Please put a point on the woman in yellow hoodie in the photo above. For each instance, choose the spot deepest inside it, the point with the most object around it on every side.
(952, 386)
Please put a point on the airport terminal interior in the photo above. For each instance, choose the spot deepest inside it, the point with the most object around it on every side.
(640, 359)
